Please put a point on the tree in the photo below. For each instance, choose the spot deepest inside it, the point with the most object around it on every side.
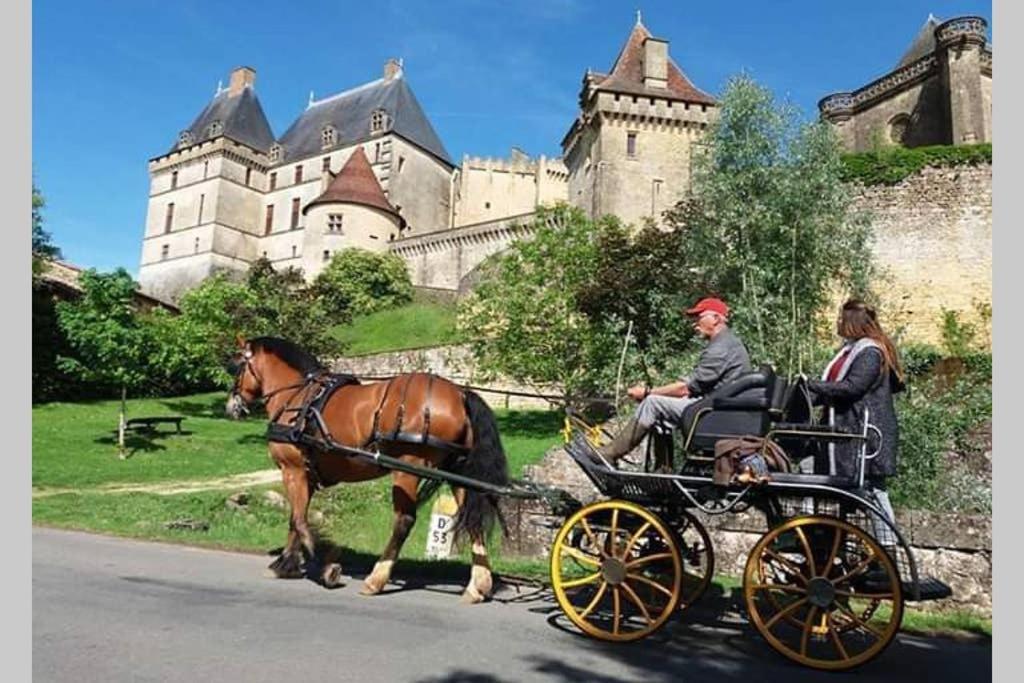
(42, 244)
(524, 318)
(359, 282)
(769, 224)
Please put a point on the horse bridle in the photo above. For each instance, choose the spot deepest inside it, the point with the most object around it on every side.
(246, 365)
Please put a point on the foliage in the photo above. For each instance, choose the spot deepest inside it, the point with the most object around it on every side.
(770, 226)
(42, 243)
(360, 282)
(957, 336)
(889, 164)
(524, 319)
(411, 326)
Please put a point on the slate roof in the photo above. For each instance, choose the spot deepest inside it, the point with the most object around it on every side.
(350, 112)
(627, 75)
(241, 117)
(923, 43)
(355, 184)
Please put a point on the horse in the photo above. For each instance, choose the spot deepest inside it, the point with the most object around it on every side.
(422, 419)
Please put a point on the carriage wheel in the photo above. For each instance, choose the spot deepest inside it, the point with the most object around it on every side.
(823, 593)
(616, 570)
(698, 557)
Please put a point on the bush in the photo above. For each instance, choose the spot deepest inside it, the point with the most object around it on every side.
(891, 164)
(360, 282)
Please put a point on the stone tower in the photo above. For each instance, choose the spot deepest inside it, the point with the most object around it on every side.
(204, 191)
(628, 151)
(939, 93)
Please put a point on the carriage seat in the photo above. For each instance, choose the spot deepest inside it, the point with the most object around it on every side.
(742, 407)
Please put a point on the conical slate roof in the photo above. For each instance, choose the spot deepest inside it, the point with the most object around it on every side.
(350, 113)
(627, 75)
(355, 184)
(923, 44)
(240, 116)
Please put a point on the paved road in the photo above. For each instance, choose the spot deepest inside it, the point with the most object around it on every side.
(108, 609)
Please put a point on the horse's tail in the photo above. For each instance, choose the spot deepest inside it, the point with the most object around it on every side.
(485, 462)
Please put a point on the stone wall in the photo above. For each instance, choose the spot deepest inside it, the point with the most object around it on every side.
(933, 238)
(957, 549)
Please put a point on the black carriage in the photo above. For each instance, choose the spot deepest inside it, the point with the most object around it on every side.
(825, 583)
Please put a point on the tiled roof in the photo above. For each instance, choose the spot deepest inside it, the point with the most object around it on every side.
(241, 119)
(355, 184)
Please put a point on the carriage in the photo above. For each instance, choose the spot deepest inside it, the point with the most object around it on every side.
(825, 583)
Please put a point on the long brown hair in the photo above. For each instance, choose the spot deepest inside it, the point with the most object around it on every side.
(857, 320)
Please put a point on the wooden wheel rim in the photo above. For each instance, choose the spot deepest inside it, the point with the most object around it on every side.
(687, 523)
(819, 620)
(584, 616)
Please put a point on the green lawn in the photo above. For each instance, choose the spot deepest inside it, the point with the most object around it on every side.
(412, 326)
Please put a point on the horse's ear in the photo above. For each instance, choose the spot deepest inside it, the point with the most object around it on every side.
(240, 340)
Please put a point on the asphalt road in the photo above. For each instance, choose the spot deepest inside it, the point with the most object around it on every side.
(107, 609)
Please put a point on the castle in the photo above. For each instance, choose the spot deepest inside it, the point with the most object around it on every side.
(366, 168)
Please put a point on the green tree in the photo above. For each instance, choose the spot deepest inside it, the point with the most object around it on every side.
(42, 244)
(359, 282)
(524, 319)
(769, 224)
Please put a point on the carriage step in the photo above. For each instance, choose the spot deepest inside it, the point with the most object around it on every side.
(931, 589)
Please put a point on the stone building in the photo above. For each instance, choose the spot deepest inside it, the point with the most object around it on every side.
(628, 151)
(939, 93)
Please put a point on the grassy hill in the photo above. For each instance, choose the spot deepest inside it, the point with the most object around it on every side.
(412, 326)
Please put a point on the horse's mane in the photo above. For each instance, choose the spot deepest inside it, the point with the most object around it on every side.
(290, 352)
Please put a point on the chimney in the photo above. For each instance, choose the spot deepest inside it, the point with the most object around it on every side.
(655, 63)
(241, 78)
(392, 68)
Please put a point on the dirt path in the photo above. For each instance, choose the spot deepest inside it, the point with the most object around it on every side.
(169, 488)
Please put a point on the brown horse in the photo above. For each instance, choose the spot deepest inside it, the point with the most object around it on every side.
(394, 417)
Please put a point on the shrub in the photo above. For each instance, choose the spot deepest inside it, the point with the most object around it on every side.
(889, 165)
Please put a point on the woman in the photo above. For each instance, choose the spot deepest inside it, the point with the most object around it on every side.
(864, 374)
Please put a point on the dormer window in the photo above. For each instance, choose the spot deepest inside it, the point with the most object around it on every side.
(214, 129)
(185, 138)
(275, 153)
(328, 136)
(378, 121)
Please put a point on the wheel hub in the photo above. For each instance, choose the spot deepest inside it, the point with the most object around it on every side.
(613, 570)
(821, 592)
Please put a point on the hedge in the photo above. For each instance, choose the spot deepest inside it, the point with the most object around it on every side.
(890, 165)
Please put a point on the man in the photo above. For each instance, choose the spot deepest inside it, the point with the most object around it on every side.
(722, 360)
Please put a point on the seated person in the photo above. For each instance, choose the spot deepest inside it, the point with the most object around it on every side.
(724, 359)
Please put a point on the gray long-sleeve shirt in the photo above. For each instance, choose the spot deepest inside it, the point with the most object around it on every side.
(724, 359)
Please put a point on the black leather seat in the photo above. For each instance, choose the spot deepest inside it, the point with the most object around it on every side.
(740, 408)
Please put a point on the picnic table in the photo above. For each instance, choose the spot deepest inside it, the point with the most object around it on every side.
(149, 423)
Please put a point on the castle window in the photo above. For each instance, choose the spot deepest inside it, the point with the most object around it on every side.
(401, 163)
(197, 245)
(328, 136)
(326, 164)
(248, 176)
(264, 254)
(206, 169)
(174, 179)
(631, 145)
(169, 218)
(295, 251)
(165, 251)
(376, 153)
(295, 213)
(374, 237)
(392, 238)
(378, 120)
(899, 126)
(327, 255)
(334, 223)
(298, 174)
(184, 139)
(275, 153)
(214, 129)
(202, 200)
(268, 223)
(487, 205)
(273, 181)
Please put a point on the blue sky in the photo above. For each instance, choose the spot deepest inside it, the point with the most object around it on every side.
(115, 81)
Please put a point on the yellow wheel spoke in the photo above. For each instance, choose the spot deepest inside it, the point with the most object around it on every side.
(639, 603)
(789, 564)
(633, 539)
(861, 566)
(827, 569)
(649, 558)
(778, 587)
(786, 610)
(860, 622)
(581, 556)
(593, 603)
(616, 607)
(591, 536)
(807, 550)
(615, 529)
(649, 582)
(807, 631)
(836, 639)
(581, 581)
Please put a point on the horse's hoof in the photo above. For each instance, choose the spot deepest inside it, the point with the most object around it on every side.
(471, 596)
(284, 568)
(369, 589)
(332, 576)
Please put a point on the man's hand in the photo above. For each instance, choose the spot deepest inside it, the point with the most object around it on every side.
(637, 393)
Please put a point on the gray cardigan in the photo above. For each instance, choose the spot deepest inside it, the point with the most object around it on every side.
(865, 386)
(724, 359)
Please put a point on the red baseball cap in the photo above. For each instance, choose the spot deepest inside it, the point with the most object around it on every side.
(710, 304)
